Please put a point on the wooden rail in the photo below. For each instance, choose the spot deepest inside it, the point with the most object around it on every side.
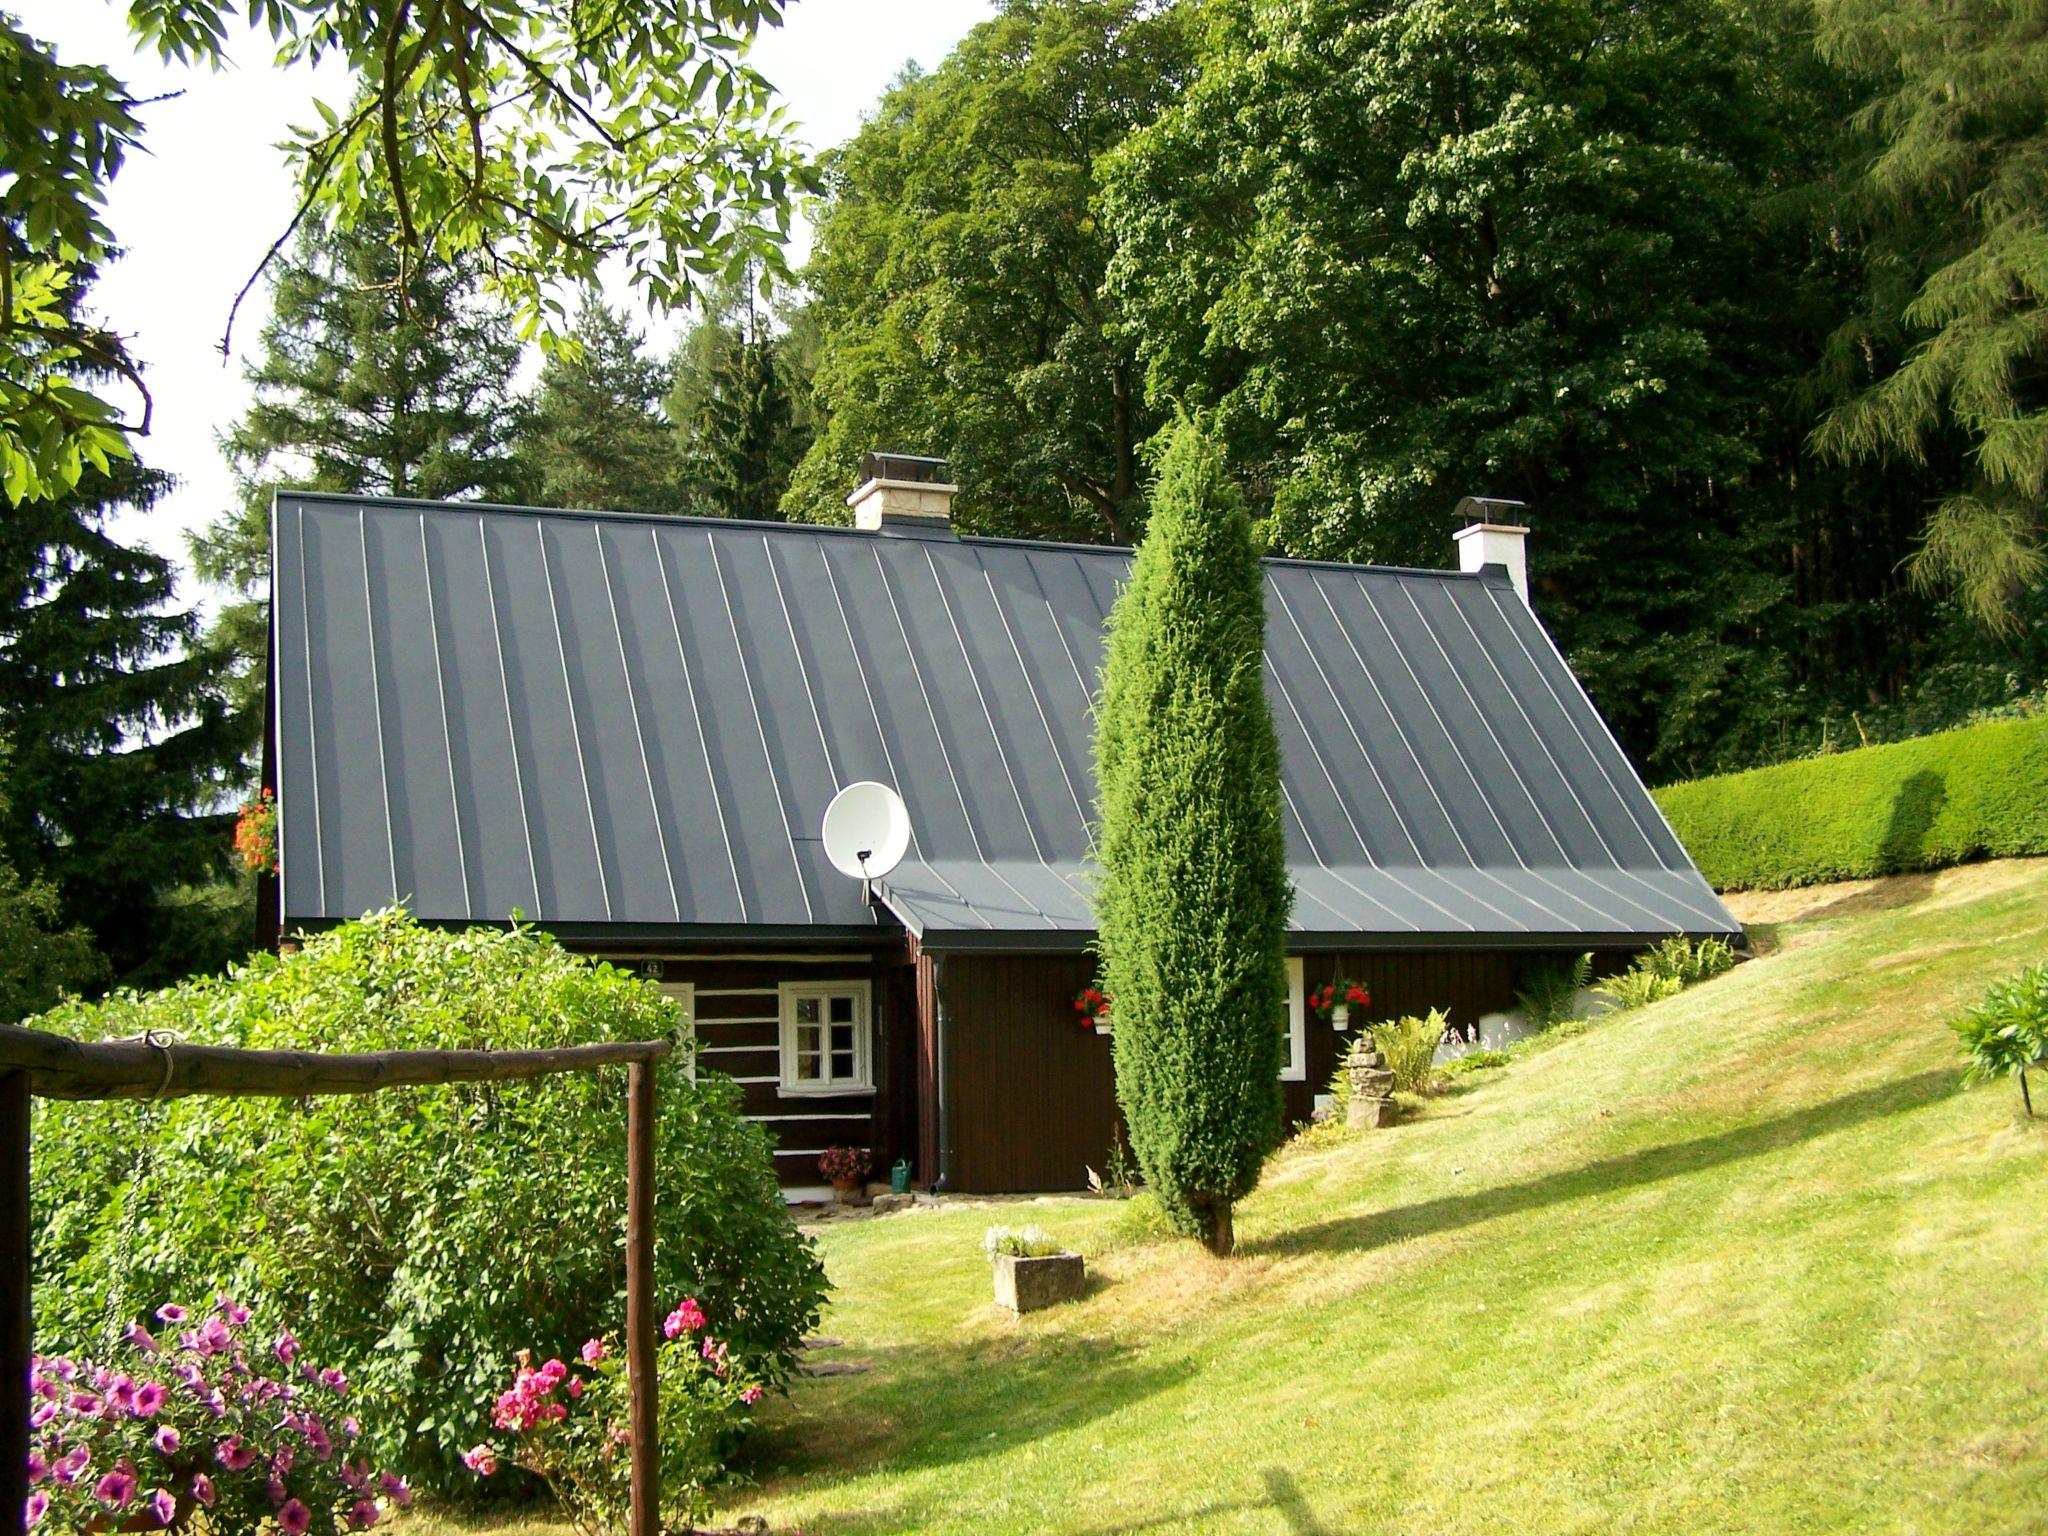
(56, 1068)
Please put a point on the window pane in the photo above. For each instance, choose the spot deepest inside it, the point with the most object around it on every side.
(842, 1008)
(807, 1066)
(842, 1066)
(842, 1037)
(807, 1010)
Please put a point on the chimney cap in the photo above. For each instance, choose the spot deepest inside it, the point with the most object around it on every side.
(1490, 509)
(913, 468)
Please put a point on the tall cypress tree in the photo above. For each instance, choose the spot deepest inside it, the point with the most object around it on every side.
(120, 747)
(1192, 904)
(373, 378)
(745, 440)
(596, 436)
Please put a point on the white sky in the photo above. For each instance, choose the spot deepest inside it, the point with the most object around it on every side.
(196, 212)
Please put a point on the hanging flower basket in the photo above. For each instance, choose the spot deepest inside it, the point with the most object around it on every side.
(256, 833)
(1091, 1006)
(1336, 1000)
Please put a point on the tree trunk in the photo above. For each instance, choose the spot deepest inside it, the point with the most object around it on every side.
(1219, 1236)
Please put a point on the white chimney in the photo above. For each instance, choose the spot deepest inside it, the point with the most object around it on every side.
(902, 490)
(1492, 536)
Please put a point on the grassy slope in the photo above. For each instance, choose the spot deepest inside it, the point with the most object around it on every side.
(1748, 1260)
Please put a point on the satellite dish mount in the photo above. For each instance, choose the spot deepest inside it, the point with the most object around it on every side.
(866, 832)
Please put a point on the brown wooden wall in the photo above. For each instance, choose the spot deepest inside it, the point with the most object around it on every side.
(1031, 1097)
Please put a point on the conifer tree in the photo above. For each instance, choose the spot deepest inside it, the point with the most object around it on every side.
(1192, 904)
(745, 440)
(359, 388)
(120, 748)
(596, 436)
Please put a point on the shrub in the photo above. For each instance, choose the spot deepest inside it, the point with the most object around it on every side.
(215, 1418)
(416, 1237)
(569, 1424)
(1141, 1220)
(1918, 804)
(1020, 1243)
(1475, 1061)
(1193, 897)
(1550, 989)
(1409, 1046)
(1638, 987)
(1680, 960)
(2006, 1032)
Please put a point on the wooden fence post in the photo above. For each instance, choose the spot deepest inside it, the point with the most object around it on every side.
(640, 1302)
(17, 1333)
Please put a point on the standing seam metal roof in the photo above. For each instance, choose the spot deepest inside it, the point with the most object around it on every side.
(632, 723)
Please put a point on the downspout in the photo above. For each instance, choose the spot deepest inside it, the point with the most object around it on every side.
(945, 1126)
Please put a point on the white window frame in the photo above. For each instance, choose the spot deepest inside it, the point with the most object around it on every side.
(684, 995)
(863, 1080)
(1295, 1068)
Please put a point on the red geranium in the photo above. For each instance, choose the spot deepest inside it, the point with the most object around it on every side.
(1093, 1007)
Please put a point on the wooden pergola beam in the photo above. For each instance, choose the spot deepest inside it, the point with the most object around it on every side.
(134, 1069)
(56, 1068)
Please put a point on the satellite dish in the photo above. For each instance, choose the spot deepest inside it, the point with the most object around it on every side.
(867, 830)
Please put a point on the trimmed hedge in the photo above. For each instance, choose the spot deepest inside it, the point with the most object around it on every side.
(1981, 792)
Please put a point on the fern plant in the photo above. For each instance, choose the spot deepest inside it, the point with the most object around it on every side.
(1409, 1046)
(1550, 989)
(1640, 985)
(2007, 1031)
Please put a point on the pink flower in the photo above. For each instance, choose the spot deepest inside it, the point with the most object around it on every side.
(294, 1517)
(71, 1465)
(235, 1453)
(41, 1414)
(593, 1351)
(232, 1310)
(276, 1489)
(116, 1488)
(167, 1440)
(481, 1460)
(121, 1394)
(202, 1489)
(88, 1405)
(148, 1400)
(576, 1389)
(38, 1505)
(171, 1313)
(751, 1396)
(396, 1489)
(38, 1466)
(163, 1506)
(286, 1348)
(686, 1315)
(333, 1379)
(363, 1514)
(553, 1372)
(140, 1337)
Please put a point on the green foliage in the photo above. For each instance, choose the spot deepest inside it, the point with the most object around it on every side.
(2006, 1031)
(1951, 342)
(1639, 986)
(120, 745)
(1687, 962)
(1193, 898)
(41, 959)
(417, 1237)
(957, 276)
(595, 436)
(744, 435)
(1550, 986)
(1918, 804)
(542, 138)
(1020, 1243)
(1475, 1061)
(1142, 1219)
(1409, 1046)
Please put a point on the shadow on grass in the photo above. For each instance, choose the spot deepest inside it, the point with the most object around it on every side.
(1628, 1170)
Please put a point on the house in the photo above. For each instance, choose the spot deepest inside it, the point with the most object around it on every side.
(626, 729)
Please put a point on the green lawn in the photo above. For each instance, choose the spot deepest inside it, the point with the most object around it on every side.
(1747, 1260)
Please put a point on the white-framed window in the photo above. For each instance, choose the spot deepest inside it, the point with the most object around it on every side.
(684, 995)
(1295, 1068)
(826, 1038)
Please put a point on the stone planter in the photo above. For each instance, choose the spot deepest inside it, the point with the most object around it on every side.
(1372, 1086)
(1026, 1285)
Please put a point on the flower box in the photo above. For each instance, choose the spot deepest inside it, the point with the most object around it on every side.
(1030, 1284)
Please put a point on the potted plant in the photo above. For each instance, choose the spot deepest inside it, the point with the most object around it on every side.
(1032, 1268)
(1335, 1001)
(847, 1168)
(1092, 1005)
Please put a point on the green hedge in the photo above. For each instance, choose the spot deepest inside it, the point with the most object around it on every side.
(1981, 792)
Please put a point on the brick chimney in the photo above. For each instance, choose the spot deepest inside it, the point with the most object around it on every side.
(1494, 535)
(904, 492)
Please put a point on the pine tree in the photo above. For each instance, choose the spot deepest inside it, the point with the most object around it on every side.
(1193, 900)
(121, 748)
(358, 389)
(596, 437)
(745, 440)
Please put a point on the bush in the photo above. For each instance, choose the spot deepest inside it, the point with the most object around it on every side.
(1920, 804)
(1685, 962)
(1475, 1061)
(1193, 895)
(1141, 1220)
(1409, 1046)
(563, 1424)
(416, 1237)
(1550, 989)
(1020, 1243)
(216, 1418)
(1638, 987)
(2006, 1033)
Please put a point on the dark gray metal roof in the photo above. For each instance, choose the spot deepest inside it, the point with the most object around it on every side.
(615, 723)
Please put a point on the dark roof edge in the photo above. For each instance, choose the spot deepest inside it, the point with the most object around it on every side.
(639, 935)
(838, 530)
(1026, 941)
